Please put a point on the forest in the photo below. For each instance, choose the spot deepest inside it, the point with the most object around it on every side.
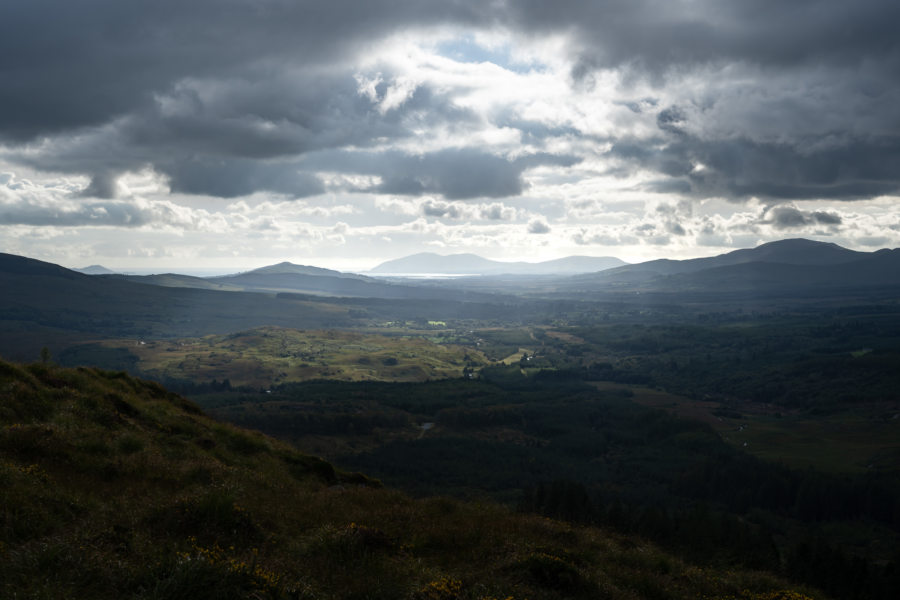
(560, 447)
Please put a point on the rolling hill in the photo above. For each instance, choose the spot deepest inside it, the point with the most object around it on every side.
(783, 267)
(113, 487)
(300, 279)
(283, 268)
(42, 303)
(181, 281)
(790, 252)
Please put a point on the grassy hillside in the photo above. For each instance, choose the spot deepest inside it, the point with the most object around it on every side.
(112, 487)
(593, 454)
(45, 305)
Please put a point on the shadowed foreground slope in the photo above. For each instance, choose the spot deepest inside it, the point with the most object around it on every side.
(112, 487)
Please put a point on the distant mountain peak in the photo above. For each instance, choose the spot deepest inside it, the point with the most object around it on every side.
(283, 275)
(800, 251)
(775, 266)
(472, 264)
(95, 270)
(286, 267)
(798, 243)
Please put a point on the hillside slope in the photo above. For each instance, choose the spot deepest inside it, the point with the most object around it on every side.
(785, 267)
(42, 302)
(112, 487)
(286, 277)
(797, 251)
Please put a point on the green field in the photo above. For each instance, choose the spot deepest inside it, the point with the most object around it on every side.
(838, 443)
(271, 355)
(844, 438)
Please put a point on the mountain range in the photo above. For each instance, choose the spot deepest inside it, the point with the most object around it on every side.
(784, 266)
(426, 263)
(95, 270)
(287, 277)
(36, 296)
(42, 301)
(43, 304)
(791, 251)
(820, 261)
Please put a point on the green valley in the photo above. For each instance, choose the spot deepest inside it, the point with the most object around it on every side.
(268, 356)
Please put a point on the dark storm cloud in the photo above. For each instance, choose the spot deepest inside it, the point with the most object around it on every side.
(219, 96)
(671, 119)
(455, 173)
(67, 65)
(841, 59)
(656, 35)
(72, 64)
(228, 178)
(826, 218)
(788, 217)
(228, 97)
(846, 169)
(232, 138)
(287, 113)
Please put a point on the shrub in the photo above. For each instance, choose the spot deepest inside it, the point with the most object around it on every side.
(217, 574)
(129, 444)
(212, 517)
(552, 572)
(351, 542)
(445, 588)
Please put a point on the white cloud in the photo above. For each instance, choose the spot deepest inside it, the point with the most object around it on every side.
(538, 226)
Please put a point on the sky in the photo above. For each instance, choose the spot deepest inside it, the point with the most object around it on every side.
(231, 134)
